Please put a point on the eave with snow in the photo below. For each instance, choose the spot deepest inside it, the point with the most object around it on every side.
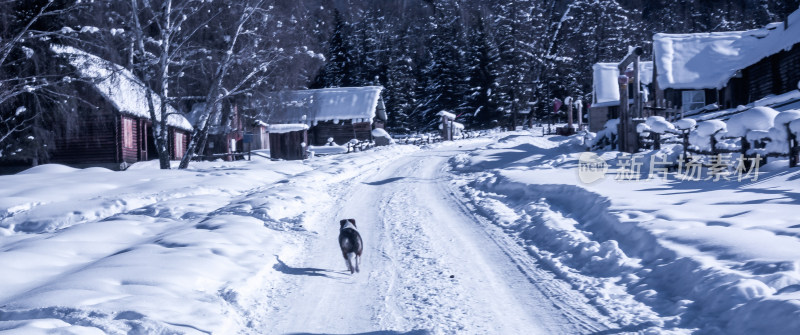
(702, 72)
(340, 113)
(116, 129)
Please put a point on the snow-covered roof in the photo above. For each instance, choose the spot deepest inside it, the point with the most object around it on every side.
(286, 128)
(448, 115)
(118, 85)
(606, 84)
(709, 60)
(359, 104)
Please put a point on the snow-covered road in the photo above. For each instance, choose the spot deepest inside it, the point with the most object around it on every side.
(429, 265)
(483, 236)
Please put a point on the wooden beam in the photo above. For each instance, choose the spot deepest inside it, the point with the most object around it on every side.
(638, 51)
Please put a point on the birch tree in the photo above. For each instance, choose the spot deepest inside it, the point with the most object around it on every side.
(251, 57)
(160, 41)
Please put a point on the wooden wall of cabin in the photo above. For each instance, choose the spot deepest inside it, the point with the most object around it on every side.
(759, 77)
(735, 93)
(674, 97)
(341, 133)
(130, 138)
(776, 74)
(288, 145)
(789, 68)
(96, 141)
(178, 141)
(598, 116)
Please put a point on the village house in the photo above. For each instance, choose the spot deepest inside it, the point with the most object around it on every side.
(605, 92)
(231, 132)
(115, 129)
(699, 73)
(341, 114)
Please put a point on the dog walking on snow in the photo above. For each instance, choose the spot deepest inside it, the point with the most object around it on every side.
(350, 242)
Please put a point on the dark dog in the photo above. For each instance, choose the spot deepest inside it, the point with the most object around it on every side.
(350, 242)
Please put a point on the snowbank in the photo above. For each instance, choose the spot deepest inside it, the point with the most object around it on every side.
(328, 149)
(159, 251)
(719, 257)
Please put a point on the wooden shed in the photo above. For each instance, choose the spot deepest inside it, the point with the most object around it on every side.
(288, 141)
(605, 92)
(229, 134)
(115, 129)
(343, 113)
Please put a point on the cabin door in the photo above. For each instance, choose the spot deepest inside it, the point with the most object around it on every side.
(144, 130)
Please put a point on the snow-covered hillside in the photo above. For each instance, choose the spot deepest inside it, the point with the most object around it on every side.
(488, 235)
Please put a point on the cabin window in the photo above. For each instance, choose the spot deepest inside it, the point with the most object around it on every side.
(179, 147)
(693, 100)
(127, 132)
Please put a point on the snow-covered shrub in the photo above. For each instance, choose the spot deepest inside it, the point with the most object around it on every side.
(652, 130)
(659, 125)
(382, 137)
(642, 128)
(757, 120)
(794, 127)
(606, 137)
(685, 124)
(702, 135)
(779, 133)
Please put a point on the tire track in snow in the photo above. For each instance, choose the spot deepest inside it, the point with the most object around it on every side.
(417, 234)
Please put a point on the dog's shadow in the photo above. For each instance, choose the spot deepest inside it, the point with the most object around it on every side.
(311, 272)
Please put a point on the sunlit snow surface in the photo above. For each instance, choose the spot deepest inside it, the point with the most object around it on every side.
(192, 251)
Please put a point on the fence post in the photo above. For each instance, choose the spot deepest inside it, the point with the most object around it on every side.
(685, 135)
(656, 141)
(745, 147)
(793, 148)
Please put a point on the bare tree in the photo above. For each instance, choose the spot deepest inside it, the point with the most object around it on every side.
(161, 40)
(250, 58)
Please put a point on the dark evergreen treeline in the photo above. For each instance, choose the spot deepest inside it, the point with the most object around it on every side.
(503, 62)
(490, 62)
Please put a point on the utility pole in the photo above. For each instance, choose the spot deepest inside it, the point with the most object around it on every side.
(627, 133)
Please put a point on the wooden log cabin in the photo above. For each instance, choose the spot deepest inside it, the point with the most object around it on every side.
(114, 128)
(231, 132)
(342, 114)
(722, 70)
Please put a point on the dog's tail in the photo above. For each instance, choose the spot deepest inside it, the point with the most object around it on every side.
(352, 264)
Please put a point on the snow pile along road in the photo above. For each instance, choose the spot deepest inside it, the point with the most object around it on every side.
(150, 251)
(722, 257)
